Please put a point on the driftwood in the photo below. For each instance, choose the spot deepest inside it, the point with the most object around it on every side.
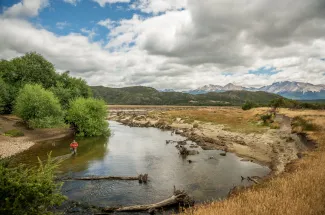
(179, 197)
(253, 180)
(141, 178)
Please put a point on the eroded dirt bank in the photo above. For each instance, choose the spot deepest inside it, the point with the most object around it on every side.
(10, 146)
(273, 147)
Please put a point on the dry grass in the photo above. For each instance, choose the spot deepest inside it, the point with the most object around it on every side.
(234, 118)
(298, 191)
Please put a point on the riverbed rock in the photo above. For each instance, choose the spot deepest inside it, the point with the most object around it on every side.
(207, 147)
(179, 131)
(182, 142)
(194, 146)
(193, 152)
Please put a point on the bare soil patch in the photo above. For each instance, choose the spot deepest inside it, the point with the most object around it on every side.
(12, 145)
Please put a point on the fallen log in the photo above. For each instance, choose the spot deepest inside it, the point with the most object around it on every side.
(252, 179)
(179, 197)
(141, 178)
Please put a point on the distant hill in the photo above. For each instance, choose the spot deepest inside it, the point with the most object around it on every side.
(139, 95)
(288, 89)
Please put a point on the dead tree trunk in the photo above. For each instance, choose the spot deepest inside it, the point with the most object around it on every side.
(141, 178)
(179, 197)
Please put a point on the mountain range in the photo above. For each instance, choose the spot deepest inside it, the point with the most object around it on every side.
(288, 89)
(140, 95)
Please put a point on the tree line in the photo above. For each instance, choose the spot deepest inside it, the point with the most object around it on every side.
(32, 89)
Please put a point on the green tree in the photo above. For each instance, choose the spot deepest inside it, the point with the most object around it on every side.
(248, 105)
(276, 103)
(68, 88)
(39, 107)
(4, 95)
(30, 68)
(28, 191)
(88, 116)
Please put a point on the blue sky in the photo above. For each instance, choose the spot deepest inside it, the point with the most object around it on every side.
(63, 18)
(179, 44)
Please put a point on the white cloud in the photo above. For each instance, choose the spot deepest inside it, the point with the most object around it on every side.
(102, 3)
(158, 6)
(26, 8)
(62, 25)
(90, 33)
(107, 23)
(73, 2)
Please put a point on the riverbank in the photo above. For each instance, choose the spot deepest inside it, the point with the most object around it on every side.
(299, 190)
(10, 146)
(226, 128)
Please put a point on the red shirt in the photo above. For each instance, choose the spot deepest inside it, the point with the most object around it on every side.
(74, 145)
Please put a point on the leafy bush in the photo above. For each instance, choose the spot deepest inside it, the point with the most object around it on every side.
(88, 116)
(267, 118)
(14, 133)
(248, 105)
(5, 97)
(300, 124)
(38, 107)
(29, 191)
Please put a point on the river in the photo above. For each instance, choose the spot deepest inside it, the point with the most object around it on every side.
(131, 151)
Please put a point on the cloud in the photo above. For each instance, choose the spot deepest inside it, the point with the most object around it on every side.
(158, 6)
(26, 8)
(90, 33)
(73, 2)
(102, 3)
(108, 23)
(62, 25)
(187, 45)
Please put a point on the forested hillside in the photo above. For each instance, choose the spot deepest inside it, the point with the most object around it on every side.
(149, 96)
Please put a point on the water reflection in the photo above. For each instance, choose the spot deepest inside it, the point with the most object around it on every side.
(89, 150)
(131, 151)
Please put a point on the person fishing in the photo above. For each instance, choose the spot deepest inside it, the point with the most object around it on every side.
(73, 147)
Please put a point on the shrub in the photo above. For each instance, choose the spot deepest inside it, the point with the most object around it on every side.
(300, 124)
(39, 107)
(5, 97)
(267, 118)
(88, 117)
(195, 125)
(248, 105)
(14, 133)
(29, 191)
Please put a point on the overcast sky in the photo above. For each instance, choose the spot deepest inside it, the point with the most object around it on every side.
(178, 44)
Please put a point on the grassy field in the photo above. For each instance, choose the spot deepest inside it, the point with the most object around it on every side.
(300, 190)
(234, 118)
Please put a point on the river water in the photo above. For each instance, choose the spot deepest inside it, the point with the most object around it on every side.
(131, 151)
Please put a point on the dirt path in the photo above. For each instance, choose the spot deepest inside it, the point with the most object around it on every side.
(12, 145)
(274, 147)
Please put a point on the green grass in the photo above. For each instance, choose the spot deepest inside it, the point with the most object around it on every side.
(14, 133)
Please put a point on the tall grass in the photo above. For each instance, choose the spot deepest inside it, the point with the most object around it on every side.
(235, 119)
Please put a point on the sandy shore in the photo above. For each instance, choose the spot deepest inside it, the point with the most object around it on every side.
(274, 147)
(10, 146)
